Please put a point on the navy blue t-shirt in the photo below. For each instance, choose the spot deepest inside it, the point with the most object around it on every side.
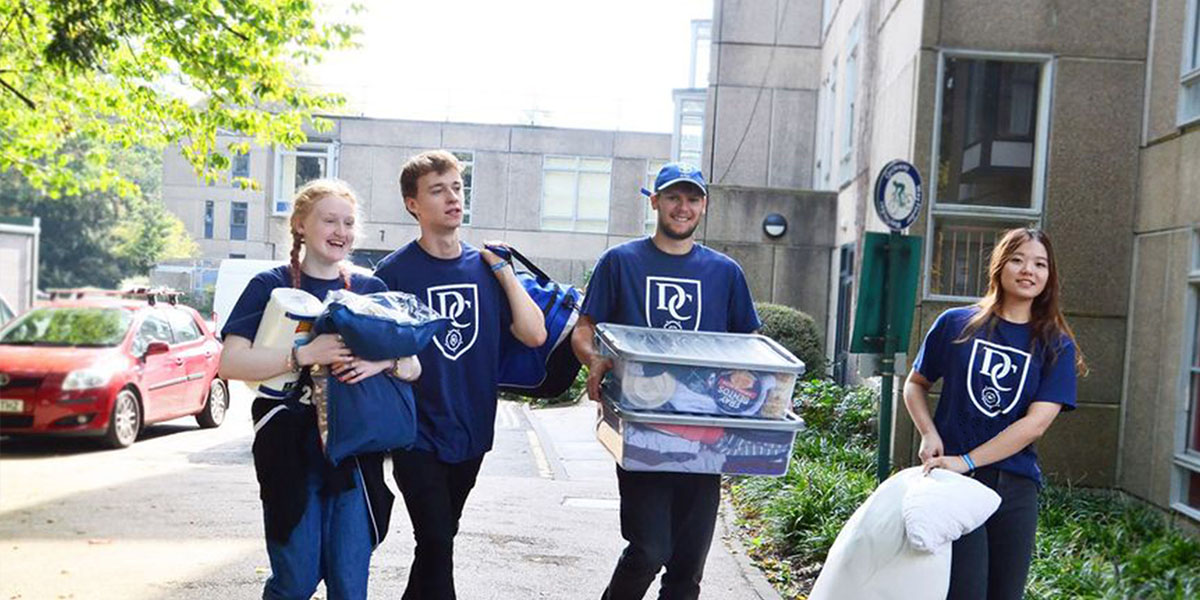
(635, 283)
(990, 381)
(456, 393)
(247, 313)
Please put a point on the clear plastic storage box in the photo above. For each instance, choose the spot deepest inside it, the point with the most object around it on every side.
(655, 441)
(699, 372)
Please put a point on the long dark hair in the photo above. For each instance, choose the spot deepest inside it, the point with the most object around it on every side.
(1046, 317)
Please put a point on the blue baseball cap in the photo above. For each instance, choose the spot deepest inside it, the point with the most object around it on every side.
(673, 173)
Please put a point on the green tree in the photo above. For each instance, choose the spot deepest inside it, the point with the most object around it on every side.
(125, 73)
(99, 237)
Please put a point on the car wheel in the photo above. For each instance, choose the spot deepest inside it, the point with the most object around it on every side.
(125, 422)
(213, 413)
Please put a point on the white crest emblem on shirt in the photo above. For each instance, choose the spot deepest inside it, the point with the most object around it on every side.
(458, 302)
(996, 377)
(673, 303)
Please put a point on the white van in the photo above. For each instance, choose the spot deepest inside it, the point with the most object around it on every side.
(232, 277)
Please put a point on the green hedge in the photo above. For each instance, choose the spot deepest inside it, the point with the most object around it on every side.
(797, 332)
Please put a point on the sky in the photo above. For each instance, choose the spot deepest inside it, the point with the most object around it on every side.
(602, 64)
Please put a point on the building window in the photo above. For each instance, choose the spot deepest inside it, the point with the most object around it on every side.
(294, 168)
(688, 141)
(989, 160)
(240, 168)
(236, 255)
(1187, 495)
(701, 53)
(822, 174)
(467, 159)
(575, 191)
(208, 219)
(849, 105)
(652, 169)
(1189, 95)
(237, 221)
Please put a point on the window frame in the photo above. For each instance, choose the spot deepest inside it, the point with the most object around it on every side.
(1187, 462)
(650, 223)
(1189, 74)
(233, 168)
(986, 213)
(327, 150)
(848, 107)
(209, 219)
(575, 205)
(681, 98)
(701, 32)
(468, 189)
(245, 206)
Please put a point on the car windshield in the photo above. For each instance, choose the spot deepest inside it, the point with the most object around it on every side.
(89, 327)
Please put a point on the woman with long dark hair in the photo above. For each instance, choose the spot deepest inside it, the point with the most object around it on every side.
(1010, 365)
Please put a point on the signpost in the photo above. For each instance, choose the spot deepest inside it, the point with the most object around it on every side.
(887, 287)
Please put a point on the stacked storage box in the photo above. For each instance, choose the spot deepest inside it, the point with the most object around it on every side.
(697, 402)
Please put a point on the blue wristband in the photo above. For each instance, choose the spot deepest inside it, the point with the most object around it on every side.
(970, 463)
(500, 265)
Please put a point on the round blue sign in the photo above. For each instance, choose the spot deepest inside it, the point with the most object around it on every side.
(898, 194)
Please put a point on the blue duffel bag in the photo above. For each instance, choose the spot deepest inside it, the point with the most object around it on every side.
(548, 370)
(378, 413)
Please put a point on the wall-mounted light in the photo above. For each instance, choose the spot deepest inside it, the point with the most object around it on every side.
(774, 225)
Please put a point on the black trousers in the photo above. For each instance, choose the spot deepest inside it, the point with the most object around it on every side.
(992, 562)
(434, 494)
(668, 520)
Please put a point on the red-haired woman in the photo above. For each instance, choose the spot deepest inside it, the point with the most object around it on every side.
(322, 522)
(1010, 365)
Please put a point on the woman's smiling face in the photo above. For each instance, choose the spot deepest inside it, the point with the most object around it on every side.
(1026, 271)
(329, 229)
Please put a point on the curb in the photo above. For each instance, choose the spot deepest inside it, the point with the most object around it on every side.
(750, 573)
(557, 471)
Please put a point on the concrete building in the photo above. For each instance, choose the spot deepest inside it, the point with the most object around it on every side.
(560, 195)
(1078, 117)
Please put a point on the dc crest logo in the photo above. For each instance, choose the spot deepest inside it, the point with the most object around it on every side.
(673, 303)
(458, 302)
(996, 377)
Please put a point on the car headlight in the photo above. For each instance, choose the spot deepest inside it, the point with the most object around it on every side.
(83, 379)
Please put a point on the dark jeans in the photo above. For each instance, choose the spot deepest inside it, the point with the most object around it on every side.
(992, 562)
(434, 494)
(668, 520)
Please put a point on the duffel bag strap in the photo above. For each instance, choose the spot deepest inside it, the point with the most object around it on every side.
(540, 274)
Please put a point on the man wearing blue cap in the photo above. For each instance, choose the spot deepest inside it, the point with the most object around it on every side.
(667, 281)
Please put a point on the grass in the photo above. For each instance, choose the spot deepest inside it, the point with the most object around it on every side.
(1090, 543)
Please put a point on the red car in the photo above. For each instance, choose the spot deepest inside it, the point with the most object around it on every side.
(108, 366)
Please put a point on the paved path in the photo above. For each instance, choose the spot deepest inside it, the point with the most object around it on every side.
(176, 516)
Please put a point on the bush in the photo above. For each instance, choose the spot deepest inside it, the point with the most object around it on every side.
(1102, 544)
(793, 520)
(797, 332)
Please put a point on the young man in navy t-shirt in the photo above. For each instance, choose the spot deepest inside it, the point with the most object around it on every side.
(456, 393)
(668, 281)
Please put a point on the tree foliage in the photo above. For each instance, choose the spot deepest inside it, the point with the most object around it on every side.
(125, 73)
(99, 237)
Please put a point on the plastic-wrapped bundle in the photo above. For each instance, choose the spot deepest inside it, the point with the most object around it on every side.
(379, 412)
(383, 325)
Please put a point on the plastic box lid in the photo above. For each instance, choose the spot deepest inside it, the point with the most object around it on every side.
(790, 422)
(697, 348)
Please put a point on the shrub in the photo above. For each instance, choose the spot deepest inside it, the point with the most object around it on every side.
(797, 332)
(794, 519)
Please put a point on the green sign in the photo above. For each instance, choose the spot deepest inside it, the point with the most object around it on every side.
(874, 313)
